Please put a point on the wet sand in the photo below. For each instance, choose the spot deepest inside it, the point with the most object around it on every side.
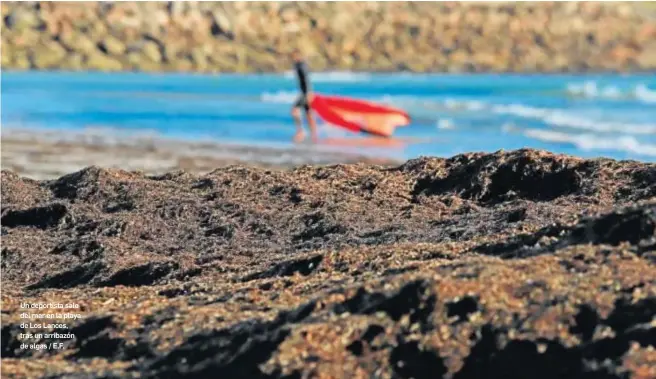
(520, 264)
(48, 154)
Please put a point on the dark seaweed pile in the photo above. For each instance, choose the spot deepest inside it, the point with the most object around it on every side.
(519, 264)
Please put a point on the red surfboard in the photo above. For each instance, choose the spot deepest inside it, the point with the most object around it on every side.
(359, 115)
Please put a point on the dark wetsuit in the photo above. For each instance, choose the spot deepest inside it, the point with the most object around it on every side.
(304, 83)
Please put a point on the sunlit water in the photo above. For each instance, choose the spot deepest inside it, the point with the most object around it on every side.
(609, 115)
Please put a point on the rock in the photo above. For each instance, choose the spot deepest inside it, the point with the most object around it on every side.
(48, 56)
(20, 60)
(622, 53)
(364, 54)
(98, 31)
(624, 10)
(101, 62)
(132, 60)
(6, 56)
(139, 61)
(647, 34)
(112, 46)
(199, 58)
(79, 43)
(172, 51)
(201, 33)
(73, 62)
(459, 57)
(559, 62)
(381, 63)
(159, 18)
(177, 8)
(151, 51)
(221, 24)
(456, 36)
(486, 59)
(128, 35)
(52, 26)
(4, 9)
(180, 64)
(647, 58)
(316, 63)
(82, 23)
(225, 62)
(20, 19)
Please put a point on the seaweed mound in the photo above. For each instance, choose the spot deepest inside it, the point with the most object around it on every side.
(520, 264)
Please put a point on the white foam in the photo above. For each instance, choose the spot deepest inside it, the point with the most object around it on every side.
(417, 103)
(470, 105)
(340, 76)
(587, 88)
(280, 97)
(594, 142)
(611, 92)
(334, 76)
(445, 124)
(560, 118)
(644, 94)
(521, 111)
(508, 127)
(592, 90)
(399, 99)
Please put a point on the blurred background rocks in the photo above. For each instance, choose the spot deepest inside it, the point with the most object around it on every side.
(390, 36)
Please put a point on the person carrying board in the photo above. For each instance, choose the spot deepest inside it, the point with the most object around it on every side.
(304, 99)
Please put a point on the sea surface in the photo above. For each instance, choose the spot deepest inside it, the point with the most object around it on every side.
(609, 115)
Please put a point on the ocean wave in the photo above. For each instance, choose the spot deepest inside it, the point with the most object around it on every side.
(398, 99)
(521, 111)
(560, 118)
(592, 90)
(469, 105)
(645, 94)
(419, 103)
(334, 76)
(288, 97)
(588, 142)
(280, 97)
(445, 124)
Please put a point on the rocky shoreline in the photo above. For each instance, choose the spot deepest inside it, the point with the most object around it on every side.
(521, 264)
(357, 36)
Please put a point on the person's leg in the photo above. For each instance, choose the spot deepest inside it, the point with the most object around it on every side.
(296, 114)
(312, 123)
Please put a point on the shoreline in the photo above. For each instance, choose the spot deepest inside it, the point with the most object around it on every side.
(373, 72)
(50, 153)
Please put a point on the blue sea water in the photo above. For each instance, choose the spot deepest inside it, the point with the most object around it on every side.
(610, 115)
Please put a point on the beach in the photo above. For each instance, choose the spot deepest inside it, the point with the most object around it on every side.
(49, 154)
(157, 221)
(521, 264)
